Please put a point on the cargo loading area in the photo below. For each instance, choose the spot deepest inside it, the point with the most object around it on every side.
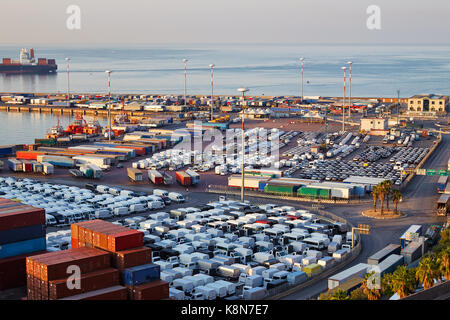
(224, 249)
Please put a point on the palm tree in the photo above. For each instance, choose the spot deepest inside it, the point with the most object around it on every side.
(396, 197)
(381, 195)
(375, 193)
(339, 294)
(427, 271)
(403, 281)
(367, 287)
(444, 262)
(387, 186)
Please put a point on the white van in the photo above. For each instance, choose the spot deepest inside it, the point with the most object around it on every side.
(103, 214)
(160, 192)
(155, 205)
(137, 208)
(121, 211)
(50, 220)
(177, 197)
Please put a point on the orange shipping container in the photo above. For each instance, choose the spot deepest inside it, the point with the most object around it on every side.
(28, 155)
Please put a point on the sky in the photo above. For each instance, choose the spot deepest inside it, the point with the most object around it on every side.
(224, 21)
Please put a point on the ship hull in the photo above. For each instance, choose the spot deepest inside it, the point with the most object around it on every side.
(29, 69)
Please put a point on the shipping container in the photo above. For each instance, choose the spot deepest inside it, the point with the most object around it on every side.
(13, 271)
(412, 252)
(88, 282)
(135, 174)
(183, 178)
(388, 265)
(195, 177)
(357, 271)
(22, 234)
(379, 256)
(155, 290)
(20, 216)
(22, 247)
(111, 293)
(155, 177)
(131, 258)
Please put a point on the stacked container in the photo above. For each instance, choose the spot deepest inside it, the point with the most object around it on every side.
(48, 274)
(22, 234)
(128, 255)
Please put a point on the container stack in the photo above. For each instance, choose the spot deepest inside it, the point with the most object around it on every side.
(22, 234)
(48, 276)
(128, 255)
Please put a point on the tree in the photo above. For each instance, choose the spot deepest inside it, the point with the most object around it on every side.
(396, 197)
(375, 193)
(427, 271)
(339, 294)
(444, 262)
(387, 186)
(368, 289)
(386, 285)
(403, 281)
(381, 195)
(358, 294)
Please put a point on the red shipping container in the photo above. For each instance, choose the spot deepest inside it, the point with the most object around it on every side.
(13, 271)
(155, 290)
(131, 258)
(53, 267)
(125, 240)
(74, 243)
(21, 216)
(183, 178)
(88, 282)
(28, 155)
(111, 293)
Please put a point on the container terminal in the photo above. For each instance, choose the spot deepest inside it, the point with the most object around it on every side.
(148, 217)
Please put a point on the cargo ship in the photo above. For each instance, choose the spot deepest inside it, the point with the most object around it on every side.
(28, 64)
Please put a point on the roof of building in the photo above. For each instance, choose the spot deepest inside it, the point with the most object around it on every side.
(429, 96)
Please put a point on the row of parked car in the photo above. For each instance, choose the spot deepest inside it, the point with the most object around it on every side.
(68, 204)
(232, 250)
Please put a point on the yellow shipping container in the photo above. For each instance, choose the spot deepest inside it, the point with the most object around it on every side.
(312, 270)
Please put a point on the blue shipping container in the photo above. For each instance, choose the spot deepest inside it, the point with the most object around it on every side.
(22, 234)
(141, 274)
(261, 186)
(22, 247)
(6, 151)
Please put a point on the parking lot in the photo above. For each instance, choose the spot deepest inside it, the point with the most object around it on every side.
(220, 249)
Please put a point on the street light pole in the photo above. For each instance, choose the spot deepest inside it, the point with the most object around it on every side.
(212, 89)
(109, 103)
(398, 108)
(301, 61)
(185, 79)
(243, 90)
(68, 81)
(350, 90)
(343, 100)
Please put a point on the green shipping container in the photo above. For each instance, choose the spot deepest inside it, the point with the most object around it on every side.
(305, 191)
(324, 193)
(279, 189)
(45, 142)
